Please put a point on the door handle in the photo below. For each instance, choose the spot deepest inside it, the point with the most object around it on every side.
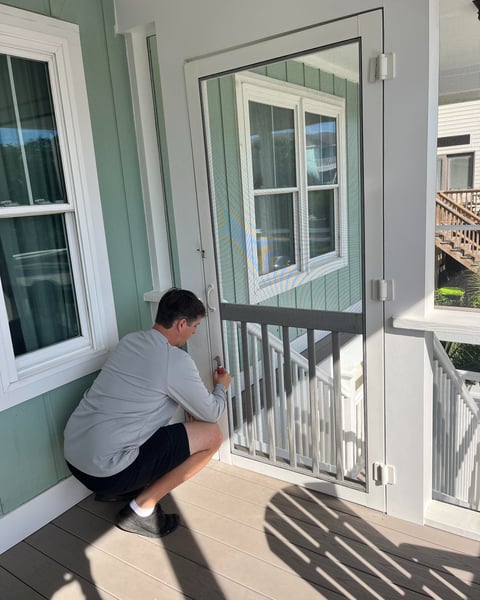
(210, 306)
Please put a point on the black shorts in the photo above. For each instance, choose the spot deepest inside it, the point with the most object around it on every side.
(166, 449)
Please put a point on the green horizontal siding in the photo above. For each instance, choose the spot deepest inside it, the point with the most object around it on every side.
(31, 434)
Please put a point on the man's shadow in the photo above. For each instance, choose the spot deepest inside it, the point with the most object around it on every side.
(67, 554)
(329, 544)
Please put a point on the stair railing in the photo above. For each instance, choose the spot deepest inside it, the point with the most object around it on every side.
(456, 436)
(468, 198)
(457, 231)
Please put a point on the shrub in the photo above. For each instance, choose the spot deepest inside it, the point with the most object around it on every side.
(449, 296)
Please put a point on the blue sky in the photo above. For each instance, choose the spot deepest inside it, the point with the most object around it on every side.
(9, 135)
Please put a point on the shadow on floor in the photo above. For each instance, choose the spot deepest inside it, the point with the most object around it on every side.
(344, 556)
(77, 557)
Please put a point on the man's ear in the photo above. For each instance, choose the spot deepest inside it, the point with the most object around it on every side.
(181, 324)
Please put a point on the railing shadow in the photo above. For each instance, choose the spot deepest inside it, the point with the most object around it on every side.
(342, 555)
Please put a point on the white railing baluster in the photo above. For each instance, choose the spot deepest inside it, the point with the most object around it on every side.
(297, 429)
(456, 436)
(239, 426)
(257, 391)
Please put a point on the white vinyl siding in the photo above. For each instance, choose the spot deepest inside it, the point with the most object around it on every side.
(462, 118)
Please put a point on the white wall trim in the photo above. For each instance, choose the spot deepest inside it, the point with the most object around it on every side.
(149, 155)
(454, 519)
(31, 516)
(454, 325)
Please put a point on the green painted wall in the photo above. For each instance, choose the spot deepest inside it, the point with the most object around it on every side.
(31, 434)
(335, 291)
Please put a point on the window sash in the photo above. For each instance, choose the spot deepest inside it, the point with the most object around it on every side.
(32, 135)
(253, 88)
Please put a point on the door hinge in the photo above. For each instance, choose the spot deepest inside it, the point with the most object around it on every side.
(382, 289)
(384, 474)
(382, 67)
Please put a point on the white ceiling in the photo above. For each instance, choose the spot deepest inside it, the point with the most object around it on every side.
(459, 51)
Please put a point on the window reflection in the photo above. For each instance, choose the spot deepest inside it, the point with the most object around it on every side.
(272, 137)
(30, 167)
(275, 232)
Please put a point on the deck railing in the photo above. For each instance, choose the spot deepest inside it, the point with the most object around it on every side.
(469, 199)
(456, 436)
(292, 409)
(457, 224)
(299, 412)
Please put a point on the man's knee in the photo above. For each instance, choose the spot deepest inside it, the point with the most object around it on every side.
(203, 436)
(217, 436)
(213, 436)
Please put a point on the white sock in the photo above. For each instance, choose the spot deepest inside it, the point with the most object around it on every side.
(141, 512)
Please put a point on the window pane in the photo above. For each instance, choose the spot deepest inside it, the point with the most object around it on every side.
(321, 139)
(13, 184)
(272, 138)
(321, 224)
(37, 282)
(29, 150)
(460, 171)
(275, 232)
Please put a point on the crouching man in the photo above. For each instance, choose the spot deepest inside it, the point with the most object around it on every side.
(119, 441)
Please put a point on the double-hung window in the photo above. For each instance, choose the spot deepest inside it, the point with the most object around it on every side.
(56, 309)
(293, 175)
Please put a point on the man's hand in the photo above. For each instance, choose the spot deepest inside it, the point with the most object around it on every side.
(223, 377)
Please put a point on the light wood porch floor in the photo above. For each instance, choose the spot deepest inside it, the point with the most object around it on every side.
(243, 536)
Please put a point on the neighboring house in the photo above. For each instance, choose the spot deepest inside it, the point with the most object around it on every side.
(458, 146)
(458, 192)
(276, 163)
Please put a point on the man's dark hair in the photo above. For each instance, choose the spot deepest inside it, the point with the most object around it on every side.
(178, 304)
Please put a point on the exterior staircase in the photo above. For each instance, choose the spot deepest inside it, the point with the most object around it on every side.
(457, 226)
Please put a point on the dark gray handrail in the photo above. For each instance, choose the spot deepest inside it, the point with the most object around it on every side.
(322, 320)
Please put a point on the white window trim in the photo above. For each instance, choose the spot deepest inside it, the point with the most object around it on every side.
(279, 93)
(34, 36)
(150, 163)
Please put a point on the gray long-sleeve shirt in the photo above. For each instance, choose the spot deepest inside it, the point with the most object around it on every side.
(138, 391)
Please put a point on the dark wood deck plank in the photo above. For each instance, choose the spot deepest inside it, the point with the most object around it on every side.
(46, 575)
(108, 572)
(12, 588)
